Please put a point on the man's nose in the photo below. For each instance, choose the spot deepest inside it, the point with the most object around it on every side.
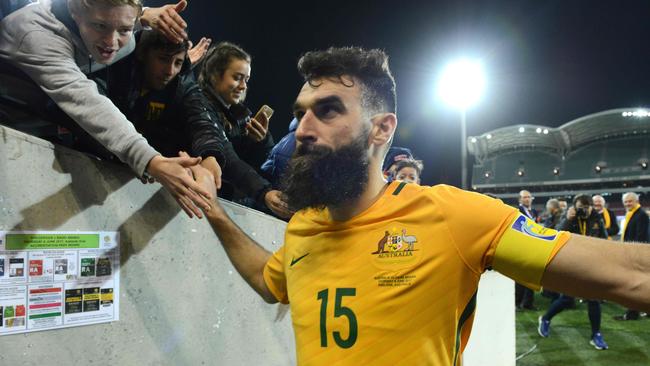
(306, 131)
(109, 39)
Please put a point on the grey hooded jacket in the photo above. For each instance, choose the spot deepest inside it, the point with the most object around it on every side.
(42, 41)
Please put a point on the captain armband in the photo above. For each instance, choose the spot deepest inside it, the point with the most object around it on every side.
(525, 249)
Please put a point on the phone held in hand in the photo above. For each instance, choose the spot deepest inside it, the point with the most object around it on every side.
(266, 111)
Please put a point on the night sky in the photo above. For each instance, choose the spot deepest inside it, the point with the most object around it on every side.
(547, 62)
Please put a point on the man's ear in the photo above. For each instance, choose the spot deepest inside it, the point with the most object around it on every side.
(383, 128)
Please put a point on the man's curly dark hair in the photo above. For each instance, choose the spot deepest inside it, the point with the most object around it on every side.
(154, 40)
(369, 67)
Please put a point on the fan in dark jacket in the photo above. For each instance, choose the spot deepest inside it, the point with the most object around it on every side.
(156, 89)
(223, 77)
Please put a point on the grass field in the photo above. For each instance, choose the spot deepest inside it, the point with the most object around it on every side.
(568, 344)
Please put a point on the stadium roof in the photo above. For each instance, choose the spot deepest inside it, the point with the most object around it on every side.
(568, 137)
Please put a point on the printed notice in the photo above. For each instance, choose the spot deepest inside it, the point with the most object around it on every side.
(52, 280)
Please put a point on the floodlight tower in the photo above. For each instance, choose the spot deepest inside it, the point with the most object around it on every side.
(461, 86)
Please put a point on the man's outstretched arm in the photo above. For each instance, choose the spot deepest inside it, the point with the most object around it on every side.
(599, 269)
(248, 257)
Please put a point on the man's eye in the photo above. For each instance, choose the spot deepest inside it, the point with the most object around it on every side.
(299, 115)
(99, 26)
(125, 31)
(326, 111)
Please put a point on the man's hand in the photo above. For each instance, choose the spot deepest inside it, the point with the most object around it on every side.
(172, 174)
(571, 213)
(275, 202)
(166, 20)
(196, 53)
(206, 180)
(211, 164)
(256, 130)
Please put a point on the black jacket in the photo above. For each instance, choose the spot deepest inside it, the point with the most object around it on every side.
(637, 228)
(532, 211)
(613, 228)
(595, 226)
(234, 120)
(180, 118)
(172, 119)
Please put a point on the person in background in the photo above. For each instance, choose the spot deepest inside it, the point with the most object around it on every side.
(394, 154)
(563, 204)
(409, 170)
(608, 217)
(524, 296)
(553, 214)
(635, 229)
(55, 44)
(276, 162)
(224, 76)
(552, 217)
(581, 218)
(155, 87)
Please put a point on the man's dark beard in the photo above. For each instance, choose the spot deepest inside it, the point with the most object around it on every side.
(319, 176)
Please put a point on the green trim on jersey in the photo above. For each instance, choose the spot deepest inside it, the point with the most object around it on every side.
(399, 188)
(469, 310)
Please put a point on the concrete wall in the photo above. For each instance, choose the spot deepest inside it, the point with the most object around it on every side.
(492, 342)
(182, 302)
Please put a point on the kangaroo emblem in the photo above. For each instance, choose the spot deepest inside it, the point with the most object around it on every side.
(381, 244)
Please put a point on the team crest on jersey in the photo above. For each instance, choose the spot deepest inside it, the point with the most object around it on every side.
(396, 248)
(531, 228)
(396, 243)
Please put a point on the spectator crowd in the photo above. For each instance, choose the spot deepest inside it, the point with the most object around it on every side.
(124, 83)
(590, 216)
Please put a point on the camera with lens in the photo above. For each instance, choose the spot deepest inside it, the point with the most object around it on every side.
(581, 212)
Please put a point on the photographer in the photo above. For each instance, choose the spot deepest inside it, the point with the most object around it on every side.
(583, 219)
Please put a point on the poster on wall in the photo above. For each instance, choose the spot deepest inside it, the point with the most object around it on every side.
(51, 280)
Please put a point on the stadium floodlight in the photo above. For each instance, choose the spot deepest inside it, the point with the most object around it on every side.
(461, 86)
(462, 83)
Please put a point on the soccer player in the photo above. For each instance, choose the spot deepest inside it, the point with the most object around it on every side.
(387, 274)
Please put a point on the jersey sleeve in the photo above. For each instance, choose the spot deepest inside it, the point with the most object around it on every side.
(489, 233)
(475, 222)
(274, 276)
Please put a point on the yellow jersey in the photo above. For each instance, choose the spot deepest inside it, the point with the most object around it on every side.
(396, 284)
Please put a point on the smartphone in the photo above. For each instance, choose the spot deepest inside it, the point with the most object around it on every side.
(266, 111)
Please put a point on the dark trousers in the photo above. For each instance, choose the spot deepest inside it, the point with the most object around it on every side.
(523, 296)
(564, 302)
